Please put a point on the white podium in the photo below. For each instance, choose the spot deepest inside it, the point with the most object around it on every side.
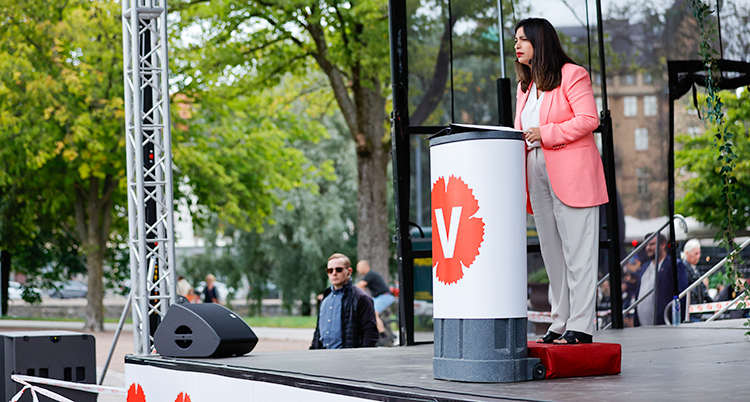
(479, 257)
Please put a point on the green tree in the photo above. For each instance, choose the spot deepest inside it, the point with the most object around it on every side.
(702, 168)
(312, 222)
(62, 109)
(235, 150)
(311, 225)
(253, 44)
(61, 114)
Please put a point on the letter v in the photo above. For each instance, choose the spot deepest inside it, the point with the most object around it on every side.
(448, 239)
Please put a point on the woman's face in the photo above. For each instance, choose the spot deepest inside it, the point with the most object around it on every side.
(524, 50)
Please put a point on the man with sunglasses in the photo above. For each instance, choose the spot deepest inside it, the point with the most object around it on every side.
(347, 317)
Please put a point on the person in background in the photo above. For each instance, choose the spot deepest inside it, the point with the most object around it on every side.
(630, 274)
(210, 294)
(346, 318)
(645, 314)
(381, 295)
(183, 286)
(691, 255)
(555, 108)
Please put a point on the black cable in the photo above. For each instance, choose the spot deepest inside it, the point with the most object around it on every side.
(450, 41)
(718, 22)
(588, 33)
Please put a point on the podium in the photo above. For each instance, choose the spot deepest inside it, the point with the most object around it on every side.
(479, 256)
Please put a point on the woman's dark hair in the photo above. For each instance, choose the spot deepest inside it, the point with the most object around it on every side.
(548, 59)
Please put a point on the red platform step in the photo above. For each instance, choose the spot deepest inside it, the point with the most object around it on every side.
(578, 360)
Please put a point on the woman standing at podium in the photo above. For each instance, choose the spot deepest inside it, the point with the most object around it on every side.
(555, 107)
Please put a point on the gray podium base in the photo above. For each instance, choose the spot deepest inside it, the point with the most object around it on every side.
(483, 350)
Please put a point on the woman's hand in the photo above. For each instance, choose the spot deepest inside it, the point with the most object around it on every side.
(533, 135)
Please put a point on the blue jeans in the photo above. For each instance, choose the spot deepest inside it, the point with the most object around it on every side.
(382, 302)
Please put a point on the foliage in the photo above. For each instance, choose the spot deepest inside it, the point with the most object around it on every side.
(697, 157)
(256, 45)
(725, 140)
(63, 157)
(538, 276)
(465, 90)
(61, 117)
(310, 226)
(313, 222)
(233, 151)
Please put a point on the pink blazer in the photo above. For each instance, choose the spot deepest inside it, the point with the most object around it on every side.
(567, 119)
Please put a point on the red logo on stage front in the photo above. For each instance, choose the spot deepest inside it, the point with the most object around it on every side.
(135, 393)
(456, 233)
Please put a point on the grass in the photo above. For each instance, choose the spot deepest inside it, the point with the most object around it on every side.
(282, 322)
(63, 319)
(275, 322)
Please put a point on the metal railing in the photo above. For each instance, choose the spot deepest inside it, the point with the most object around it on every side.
(686, 293)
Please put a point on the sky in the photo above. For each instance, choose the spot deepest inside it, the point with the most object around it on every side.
(559, 15)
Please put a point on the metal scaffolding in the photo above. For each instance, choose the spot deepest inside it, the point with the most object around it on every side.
(149, 166)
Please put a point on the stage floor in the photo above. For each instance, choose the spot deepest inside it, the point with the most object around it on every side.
(688, 363)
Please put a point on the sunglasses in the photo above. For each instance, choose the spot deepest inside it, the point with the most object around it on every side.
(338, 269)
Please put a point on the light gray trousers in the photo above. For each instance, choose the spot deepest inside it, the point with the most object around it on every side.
(569, 240)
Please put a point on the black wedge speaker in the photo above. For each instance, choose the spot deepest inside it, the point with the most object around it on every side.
(203, 330)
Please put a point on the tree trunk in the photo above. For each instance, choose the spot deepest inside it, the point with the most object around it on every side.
(95, 295)
(373, 157)
(363, 108)
(93, 223)
(372, 212)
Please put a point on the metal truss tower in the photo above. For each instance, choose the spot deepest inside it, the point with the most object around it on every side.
(149, 165)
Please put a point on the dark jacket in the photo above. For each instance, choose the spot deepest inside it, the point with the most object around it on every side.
(666, 289)
(699, 294)
(358, 327)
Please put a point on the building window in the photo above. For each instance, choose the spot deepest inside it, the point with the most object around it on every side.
(597, 79)
(647, 78)
(642, 175)
(630, 106)
(628, 79)
(599, 104)
(641, 139)
(650, 106)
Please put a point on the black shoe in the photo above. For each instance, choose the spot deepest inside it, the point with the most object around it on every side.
(383, 340)
(548, 337)
(574, 338)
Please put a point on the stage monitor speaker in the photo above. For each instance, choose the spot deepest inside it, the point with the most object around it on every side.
(203, 330)
(57, 355)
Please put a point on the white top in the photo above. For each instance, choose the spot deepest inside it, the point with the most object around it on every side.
(645, 308)
(530, 114)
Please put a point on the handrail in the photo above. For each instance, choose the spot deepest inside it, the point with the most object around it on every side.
(725, 308)
(686, 293)
(631, 307)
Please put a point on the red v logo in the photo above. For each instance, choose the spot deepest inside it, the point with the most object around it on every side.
(448, 242)
(457, 245)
